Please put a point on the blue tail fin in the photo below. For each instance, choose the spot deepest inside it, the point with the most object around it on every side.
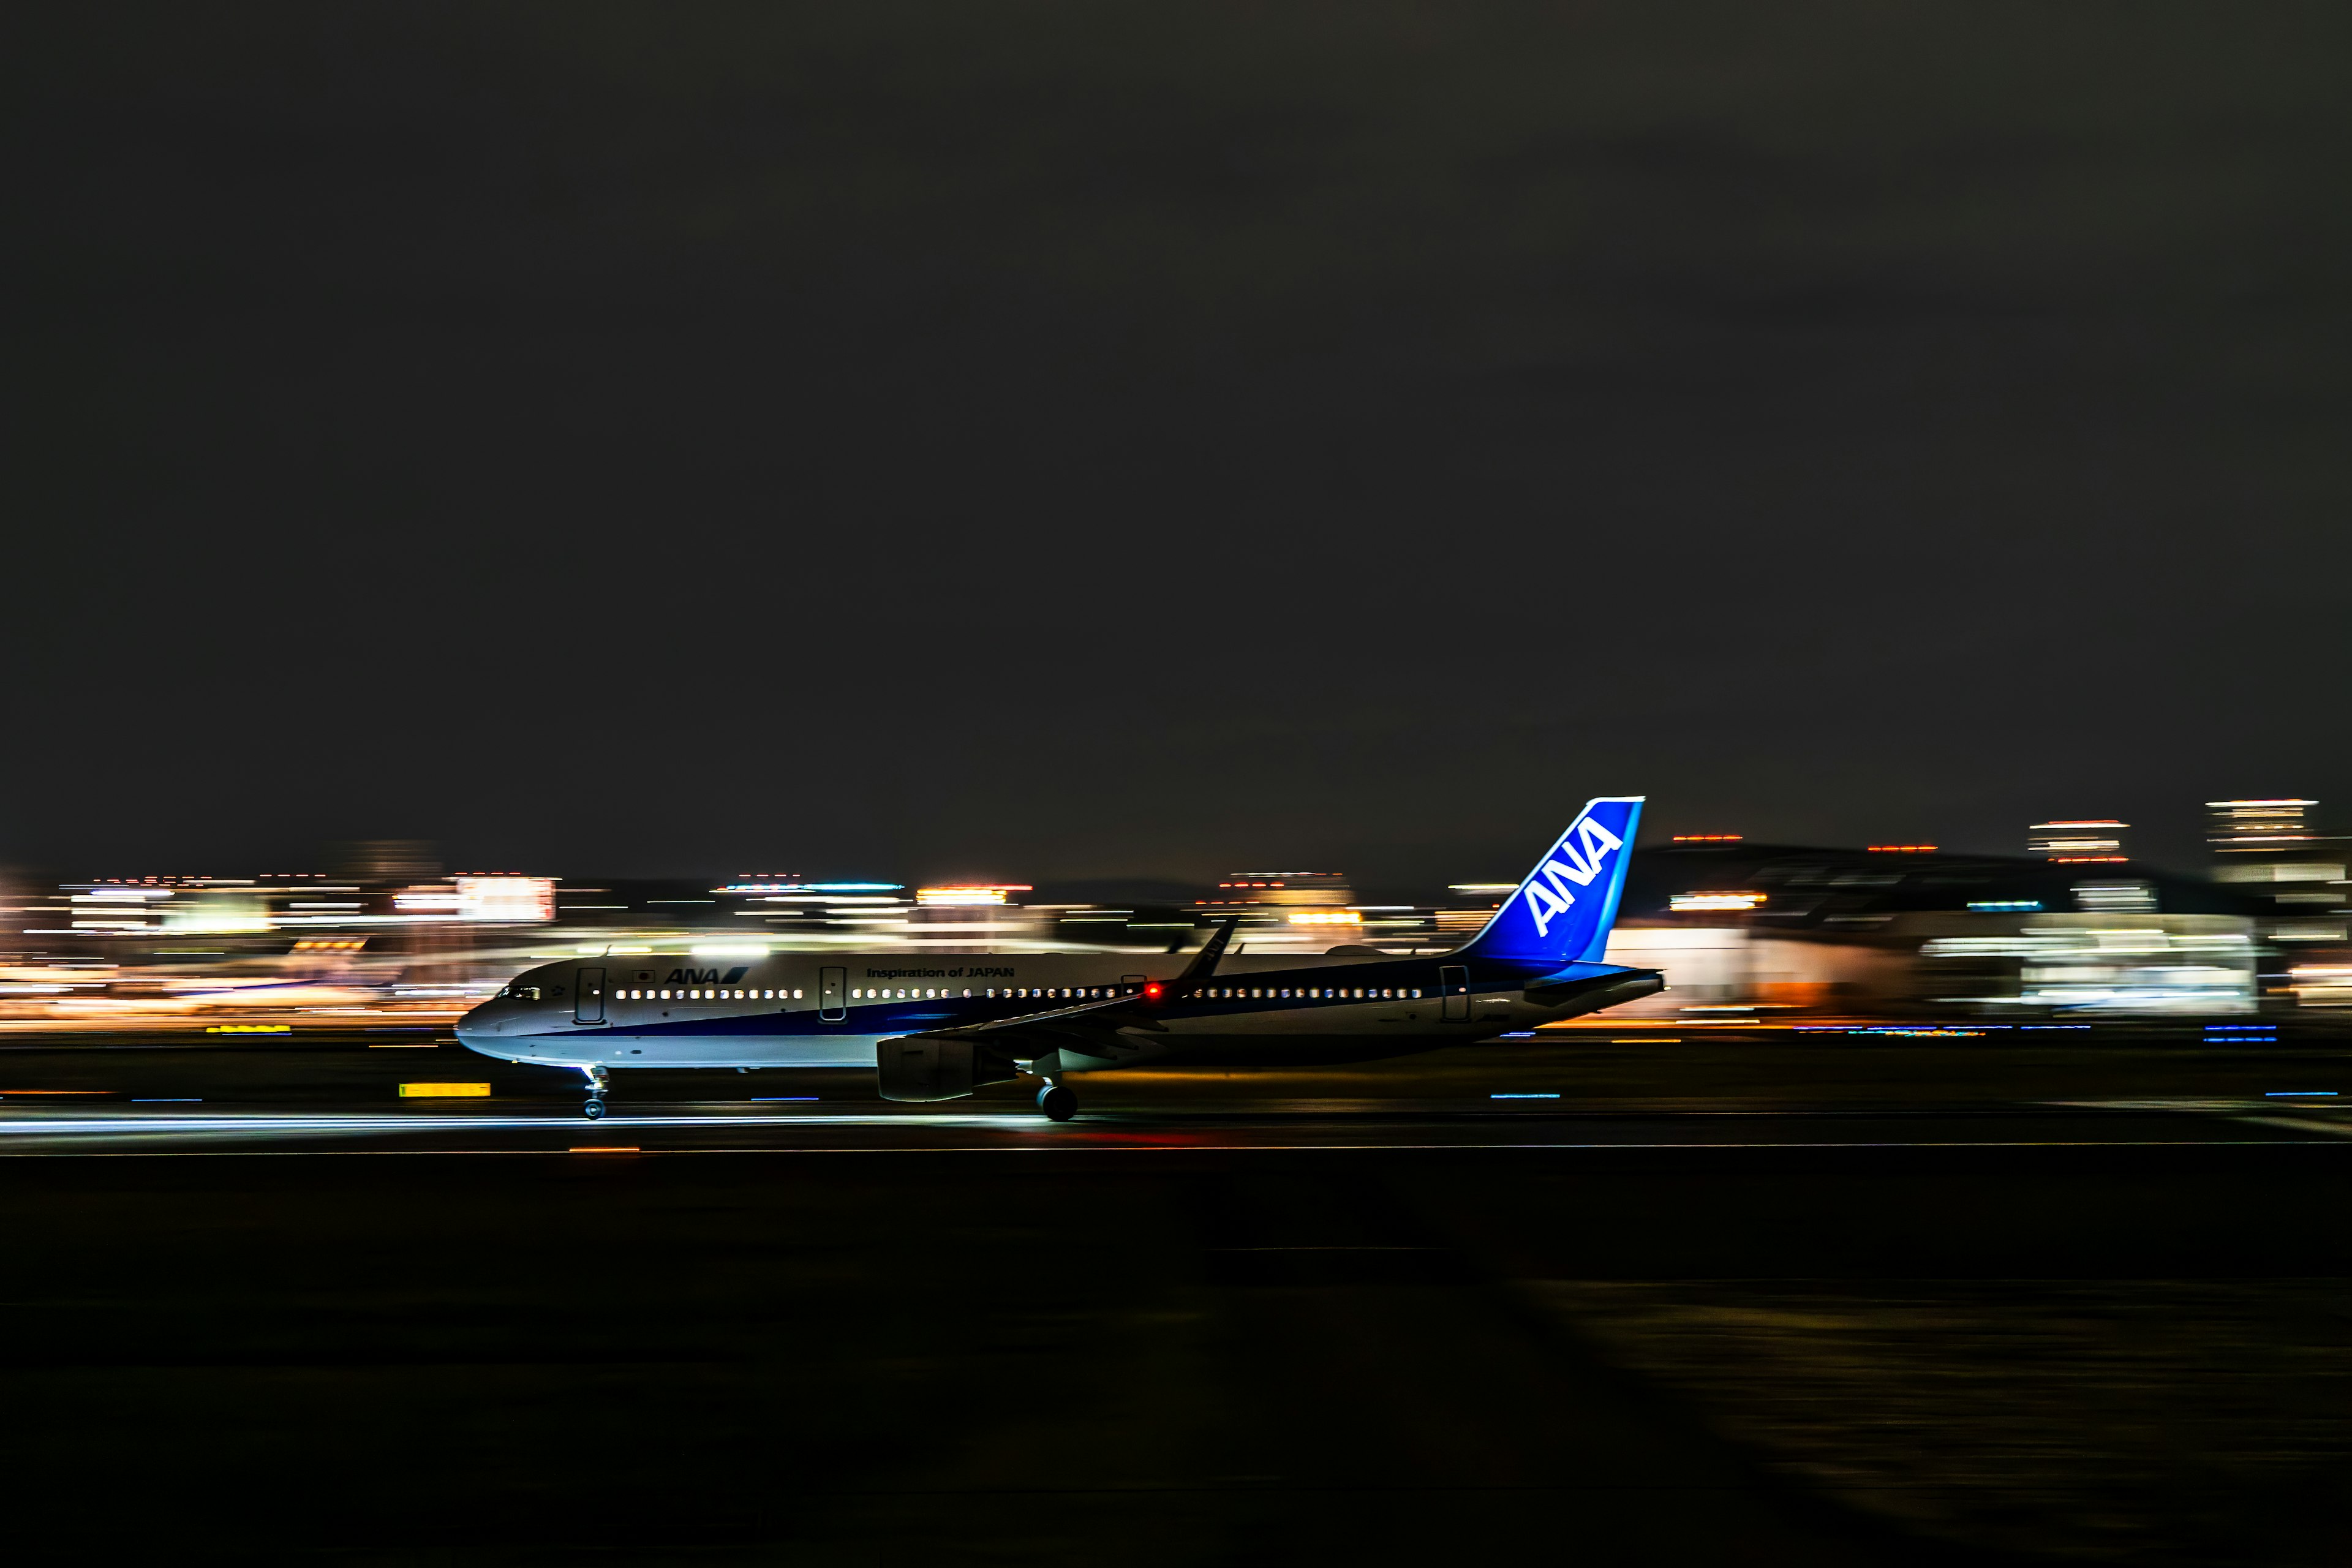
(1562, 912)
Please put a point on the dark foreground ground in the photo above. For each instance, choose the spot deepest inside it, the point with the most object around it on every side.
(1728, 1300)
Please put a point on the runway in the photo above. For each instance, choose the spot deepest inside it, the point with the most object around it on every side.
(1302, 1127)
(1760, 1300)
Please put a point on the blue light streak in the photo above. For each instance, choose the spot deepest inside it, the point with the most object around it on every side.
(1523, 1097)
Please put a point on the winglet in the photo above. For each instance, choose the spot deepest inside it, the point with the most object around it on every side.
(1204, 963)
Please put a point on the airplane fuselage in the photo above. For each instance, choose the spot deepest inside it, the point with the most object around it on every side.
(833, 1010)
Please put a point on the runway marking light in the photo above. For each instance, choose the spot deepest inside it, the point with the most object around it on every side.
(444, 1092)
(605, 1148)
(249, 1029)
(1900, 848)
(1708, 838)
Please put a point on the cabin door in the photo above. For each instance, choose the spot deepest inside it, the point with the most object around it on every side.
(588, 997)
(1454, 985)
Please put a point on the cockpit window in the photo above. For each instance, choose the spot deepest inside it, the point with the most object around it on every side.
(520, 993)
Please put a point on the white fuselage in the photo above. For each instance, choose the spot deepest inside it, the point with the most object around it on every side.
(821, 1010)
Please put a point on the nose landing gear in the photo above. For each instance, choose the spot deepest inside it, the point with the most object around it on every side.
(1057, 1102)
(594, 1110)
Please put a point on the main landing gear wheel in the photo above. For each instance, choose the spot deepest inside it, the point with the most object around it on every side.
(597, 1079)
(1057, 1103)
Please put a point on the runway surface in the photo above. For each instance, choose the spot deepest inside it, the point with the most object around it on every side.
(1743, 1298)
(375, 1092)
(1301, 1126)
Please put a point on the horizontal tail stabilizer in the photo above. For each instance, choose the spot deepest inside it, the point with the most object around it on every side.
(1561, 914)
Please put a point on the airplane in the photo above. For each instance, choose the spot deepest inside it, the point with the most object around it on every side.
(938, 1026)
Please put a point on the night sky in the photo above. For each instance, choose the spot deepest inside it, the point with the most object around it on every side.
(1061, 440)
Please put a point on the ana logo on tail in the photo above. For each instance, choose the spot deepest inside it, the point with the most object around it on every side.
(1576, 859)
(1560, 912)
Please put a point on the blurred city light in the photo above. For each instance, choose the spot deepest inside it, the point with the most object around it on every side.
(1685, 902)
(963, 897)
(2073, 843)
(1738, 927)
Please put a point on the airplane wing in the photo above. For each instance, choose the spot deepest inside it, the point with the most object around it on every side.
(1089, 1029)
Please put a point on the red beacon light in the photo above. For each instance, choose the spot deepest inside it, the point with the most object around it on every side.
(1152, 991)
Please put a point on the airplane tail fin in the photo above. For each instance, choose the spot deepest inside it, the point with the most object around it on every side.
(1562, 912)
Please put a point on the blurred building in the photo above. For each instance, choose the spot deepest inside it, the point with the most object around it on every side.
(386, 862)
(1296, 911)
(2087, 841)
(1743, 928)
(2270, 851)
(2267, 849)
